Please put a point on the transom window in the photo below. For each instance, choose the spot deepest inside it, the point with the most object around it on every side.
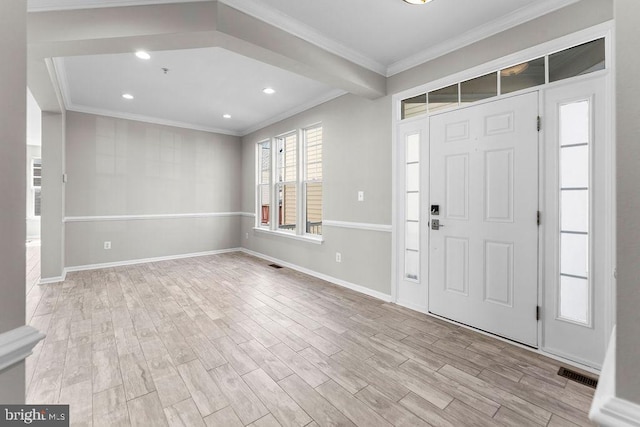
(575, 61)
(289, 183)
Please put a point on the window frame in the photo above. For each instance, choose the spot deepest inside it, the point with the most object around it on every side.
(260, 184)
(35, 189)
(305, 181)
(299, 233)
(280, 181)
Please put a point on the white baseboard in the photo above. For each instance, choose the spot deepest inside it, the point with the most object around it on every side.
(17, 344)
(145, 260)
(50, 280)
(607, 409)
(335, 281)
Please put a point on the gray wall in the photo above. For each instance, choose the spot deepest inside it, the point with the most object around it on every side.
(13, 111)
(51, 225)
(628, 185)
(121, 167)
(356, 157)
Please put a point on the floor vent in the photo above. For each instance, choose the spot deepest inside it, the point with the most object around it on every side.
(275, 266)
(577, 377)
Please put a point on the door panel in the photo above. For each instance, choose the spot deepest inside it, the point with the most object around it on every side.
(483, 262)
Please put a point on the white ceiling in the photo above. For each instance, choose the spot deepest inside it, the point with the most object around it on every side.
(200, 86)
(385, 36)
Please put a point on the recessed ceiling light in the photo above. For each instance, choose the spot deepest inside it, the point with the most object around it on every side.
(226, 116)
(142, 54)
(417, 1)
(269, 90)
(127, 96)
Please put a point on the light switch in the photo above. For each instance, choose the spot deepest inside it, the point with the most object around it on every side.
(361, 196)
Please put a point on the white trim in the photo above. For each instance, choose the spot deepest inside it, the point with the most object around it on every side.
(248, 214)
(302, 237)
(58, 70)
(17, 344)
(358, 225)
(296, 28)
(148, 119)
(55, 279)
(292, 112)
(146, 260)
(50, 5)
(606, 408)
(358, 288)
(511, 20)
(99, 218)
(305, 32)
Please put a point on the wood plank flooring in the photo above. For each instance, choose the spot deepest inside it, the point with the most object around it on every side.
(227, 340)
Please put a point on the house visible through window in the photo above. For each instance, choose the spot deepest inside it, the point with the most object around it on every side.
(264, 183)
(313, 180)
(36, 184)
(289, 182)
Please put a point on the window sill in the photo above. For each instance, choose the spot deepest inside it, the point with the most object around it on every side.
(305, 238)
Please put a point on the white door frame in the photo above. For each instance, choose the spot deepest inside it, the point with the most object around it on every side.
(602, 30)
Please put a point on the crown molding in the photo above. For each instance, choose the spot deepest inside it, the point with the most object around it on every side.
(148, 119)
(305, 32)
(513, 19)
(58, 72)
(292, 26)
(298, 109)
(52, 5)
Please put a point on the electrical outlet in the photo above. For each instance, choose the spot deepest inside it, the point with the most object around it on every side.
(246, 236)
(107, 245)
(338, 257)
(361, 196)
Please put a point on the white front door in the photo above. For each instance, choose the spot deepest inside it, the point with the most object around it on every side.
(483, 260)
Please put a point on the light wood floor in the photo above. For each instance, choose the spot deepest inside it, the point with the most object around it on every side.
(32, 264)
(227, 340)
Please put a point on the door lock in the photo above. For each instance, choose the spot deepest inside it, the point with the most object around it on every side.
(435, 224)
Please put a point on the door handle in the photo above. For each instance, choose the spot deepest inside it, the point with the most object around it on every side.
(435, 224)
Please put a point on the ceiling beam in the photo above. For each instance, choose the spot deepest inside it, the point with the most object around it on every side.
(251, 37)
(181, 26)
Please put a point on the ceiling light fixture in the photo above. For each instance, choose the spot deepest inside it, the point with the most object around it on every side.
(226, 116)
(143, 55)
(269, 90)
(417, 1)
(515, 70)
(127, 96)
